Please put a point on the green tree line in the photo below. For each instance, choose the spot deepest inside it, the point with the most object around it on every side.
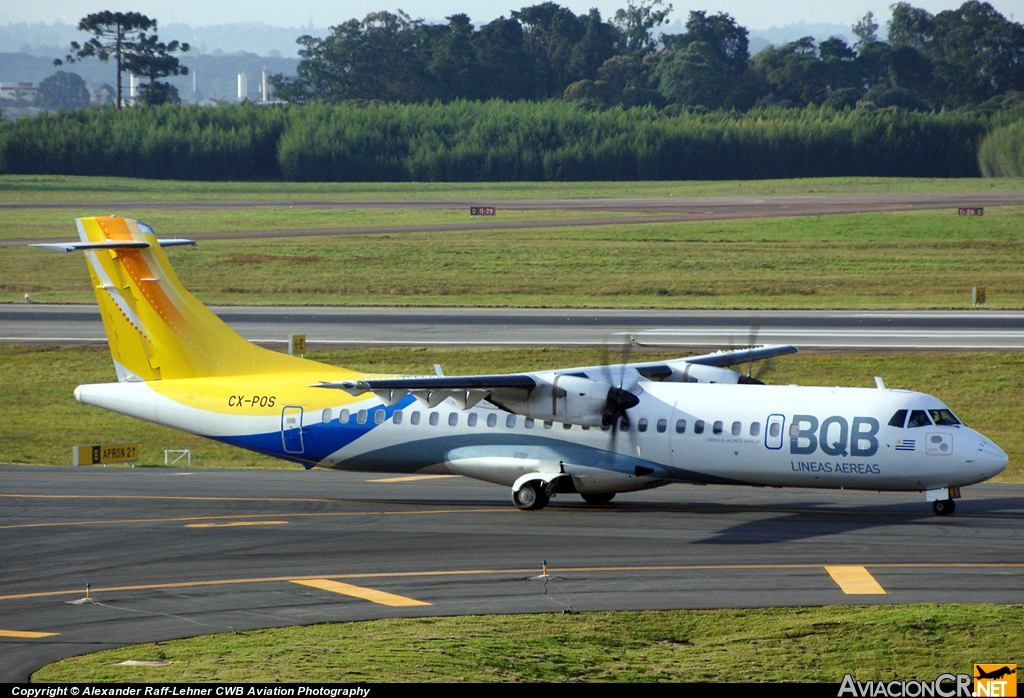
(492, 141)
(955, 58)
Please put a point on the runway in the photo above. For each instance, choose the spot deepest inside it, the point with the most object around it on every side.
(651, 210)
(974, 330)
(172, 553)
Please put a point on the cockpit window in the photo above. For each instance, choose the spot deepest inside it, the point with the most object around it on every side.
(918, 418)
(944, 418)
(898, 419)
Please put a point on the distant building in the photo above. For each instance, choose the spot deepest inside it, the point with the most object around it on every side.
(20, 91)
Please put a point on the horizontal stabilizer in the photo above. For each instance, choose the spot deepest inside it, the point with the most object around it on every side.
(109, 245)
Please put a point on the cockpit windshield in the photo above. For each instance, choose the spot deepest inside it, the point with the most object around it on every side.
(944, 418)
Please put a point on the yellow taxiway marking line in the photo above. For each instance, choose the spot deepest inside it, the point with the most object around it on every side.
(24, 634)
(854, 579)
(235, 523)
(292, 515)
(516, 571)
(381, 597)
(412, 478)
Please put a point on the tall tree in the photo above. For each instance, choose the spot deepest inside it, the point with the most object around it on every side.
(113, 34)
(151, 58)
(62, 91)
(636, 23)
(380, 57)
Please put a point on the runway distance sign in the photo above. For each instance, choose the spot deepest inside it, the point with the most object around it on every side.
(481, 210)
(971, 211)
(96, 454)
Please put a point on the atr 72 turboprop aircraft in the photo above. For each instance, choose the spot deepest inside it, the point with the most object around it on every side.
(591, 430)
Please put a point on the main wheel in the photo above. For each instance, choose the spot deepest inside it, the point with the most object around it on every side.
(598, 498)
(530, 496)
(943, 507)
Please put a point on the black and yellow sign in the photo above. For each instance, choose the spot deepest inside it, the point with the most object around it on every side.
(995, 680)
(296, 344)
(105, 453)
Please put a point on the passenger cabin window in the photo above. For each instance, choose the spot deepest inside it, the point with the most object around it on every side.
(794, 430)
(378, 417)
(361, 416)
(698, 426)
(510, 421)
(944, 418)
(774, 429)
(326, 416)
(492, 419)
(566, 425)
(755, 429)
(662, 426)
(641, 426)
(716, 428)
(397, 417)
(623, 424)
(918, 418)
(453, 419)
(737, 427)
(434, 419)
(547, 424)
(528, 422)
(343, 417)
(471, 419)
(414, 418)
(898, 419)
(680, 426)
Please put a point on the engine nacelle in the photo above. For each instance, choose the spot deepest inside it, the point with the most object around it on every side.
(699, 373)
(561, 398)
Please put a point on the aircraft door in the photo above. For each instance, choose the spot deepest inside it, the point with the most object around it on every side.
(774, 432)
(291, 429)
(679, 427)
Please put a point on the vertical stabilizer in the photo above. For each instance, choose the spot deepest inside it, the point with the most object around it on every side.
(156, 328)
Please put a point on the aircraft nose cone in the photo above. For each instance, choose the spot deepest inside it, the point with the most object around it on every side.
(991, 459)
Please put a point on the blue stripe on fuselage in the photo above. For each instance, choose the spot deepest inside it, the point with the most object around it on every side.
(320, 439)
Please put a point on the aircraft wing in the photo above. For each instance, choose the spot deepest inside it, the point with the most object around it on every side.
(466, 391)
(591, 391)
(740, 356)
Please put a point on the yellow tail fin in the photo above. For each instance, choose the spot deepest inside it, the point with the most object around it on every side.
(157, 329)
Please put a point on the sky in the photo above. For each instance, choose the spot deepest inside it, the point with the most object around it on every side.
(753, 14)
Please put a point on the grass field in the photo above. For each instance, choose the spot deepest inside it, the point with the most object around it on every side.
(42, 420)
(923, 259)
(45, 188)
(764, 645)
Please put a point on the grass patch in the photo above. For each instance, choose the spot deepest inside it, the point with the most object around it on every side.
(42, 420)
(54, 188)
(762, 645)
(921, 259)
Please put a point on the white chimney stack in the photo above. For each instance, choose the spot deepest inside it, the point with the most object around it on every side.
(243, 87)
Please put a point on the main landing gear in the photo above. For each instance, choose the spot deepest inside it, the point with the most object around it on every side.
(943, 507)
(532, 495)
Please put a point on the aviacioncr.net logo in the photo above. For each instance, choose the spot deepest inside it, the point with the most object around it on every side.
(945, 686)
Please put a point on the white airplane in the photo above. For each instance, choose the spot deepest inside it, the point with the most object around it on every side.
(592, 430)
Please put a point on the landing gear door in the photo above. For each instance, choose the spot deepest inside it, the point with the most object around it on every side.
(291, 430)
(774, 432)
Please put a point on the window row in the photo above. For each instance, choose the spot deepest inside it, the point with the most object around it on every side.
(642, 425)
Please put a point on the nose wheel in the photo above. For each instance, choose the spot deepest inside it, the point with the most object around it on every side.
(943, 507)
